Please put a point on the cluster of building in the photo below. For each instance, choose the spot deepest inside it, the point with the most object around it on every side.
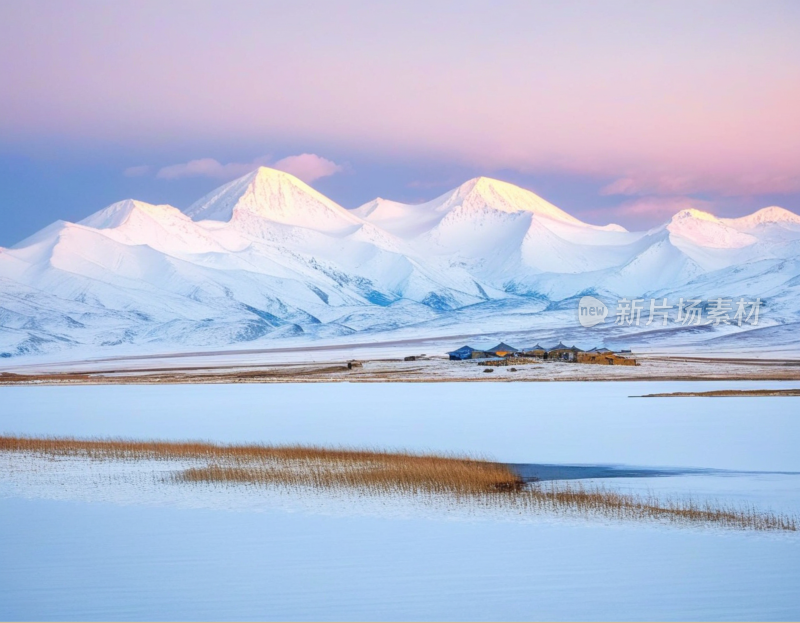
(559, 352)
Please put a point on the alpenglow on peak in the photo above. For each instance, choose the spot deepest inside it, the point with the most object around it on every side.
(274, 196)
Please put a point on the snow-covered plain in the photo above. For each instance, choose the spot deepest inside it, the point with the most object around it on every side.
(98, 542)
(266, 261)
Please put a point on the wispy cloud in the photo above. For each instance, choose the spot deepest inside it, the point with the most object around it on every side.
(208, 167)
(138, 171)
(745, 184)
(307, 167)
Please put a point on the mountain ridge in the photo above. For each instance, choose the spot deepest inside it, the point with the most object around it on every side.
(268, 258)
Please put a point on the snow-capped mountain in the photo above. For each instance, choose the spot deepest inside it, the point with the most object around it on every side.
(266, 259)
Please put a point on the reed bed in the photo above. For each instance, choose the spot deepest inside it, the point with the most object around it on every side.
(598, 501)
(291, 465)
(461, 479)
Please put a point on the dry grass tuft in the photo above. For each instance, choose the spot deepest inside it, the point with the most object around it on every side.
(292, 465)
(374, 472)
(601, 502)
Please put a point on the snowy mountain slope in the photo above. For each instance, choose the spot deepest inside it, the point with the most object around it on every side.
(772, 216)
(163, 227)
(278, 197)
(266, 259)
(471, 201)
(705, 230)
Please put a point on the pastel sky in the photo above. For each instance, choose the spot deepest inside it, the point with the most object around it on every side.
(615, 111)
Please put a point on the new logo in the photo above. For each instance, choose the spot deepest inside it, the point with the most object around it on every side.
(591, 311)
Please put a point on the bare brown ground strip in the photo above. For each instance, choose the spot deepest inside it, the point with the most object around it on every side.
(726, 393)
(376, 472)
(433, 372)
(739, 361)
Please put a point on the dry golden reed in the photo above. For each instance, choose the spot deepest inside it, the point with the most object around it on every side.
(465, 479)
(291, 465)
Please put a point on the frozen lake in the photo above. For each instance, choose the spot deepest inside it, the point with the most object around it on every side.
(81, 553)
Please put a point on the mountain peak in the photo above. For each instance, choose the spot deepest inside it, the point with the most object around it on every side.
(694, 213)
(266, 175)
(274, 196)
(118, 213)
(706, 230)
(480, 193)
(765, 216)
(482, 183)
(486, 185)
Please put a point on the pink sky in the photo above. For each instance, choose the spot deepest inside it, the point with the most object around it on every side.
(672, 98)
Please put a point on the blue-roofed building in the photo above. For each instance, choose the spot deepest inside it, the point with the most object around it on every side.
(465, 352)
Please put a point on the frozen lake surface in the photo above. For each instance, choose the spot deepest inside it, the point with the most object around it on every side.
(90, 551)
